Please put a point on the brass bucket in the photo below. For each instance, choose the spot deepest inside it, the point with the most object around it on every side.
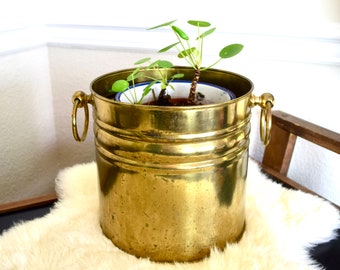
(172, 179)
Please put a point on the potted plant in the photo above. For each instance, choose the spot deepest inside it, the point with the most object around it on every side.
(193, 56)
(172, 178)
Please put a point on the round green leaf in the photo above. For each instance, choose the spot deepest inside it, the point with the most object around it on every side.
(153, 64)
(231, 50)
(206, 33)
(187, 52)
(165, 64)
(178, 76)
(133, 76)
(119, 86)
(180, 32)
(162, 25)
(168, 47)
(142, 61)
(199, 23)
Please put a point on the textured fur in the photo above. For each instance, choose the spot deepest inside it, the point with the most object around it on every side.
(281, 225)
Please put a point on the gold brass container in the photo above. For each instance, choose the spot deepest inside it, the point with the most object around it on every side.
(172, 179)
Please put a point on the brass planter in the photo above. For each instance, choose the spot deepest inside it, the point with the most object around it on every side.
(172, 179)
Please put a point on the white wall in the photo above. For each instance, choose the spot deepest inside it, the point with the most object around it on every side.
(291, 50)
(247, 15)
(29, 152)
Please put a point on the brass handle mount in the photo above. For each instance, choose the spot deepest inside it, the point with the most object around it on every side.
(266, 102)
(80, 100)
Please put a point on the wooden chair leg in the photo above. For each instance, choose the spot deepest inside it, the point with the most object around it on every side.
(279, 151)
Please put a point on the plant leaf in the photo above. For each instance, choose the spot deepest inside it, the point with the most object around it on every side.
(147, 90)
(206, 33)
(153, 64)
(119, 86)
(180, 32)
(142, 61)
(187, 52)
(199, 23)
(162, 25)
(165, 64)
(178, 76)
(136, 71)
(231, 50)
(168, 47)
(135, 74)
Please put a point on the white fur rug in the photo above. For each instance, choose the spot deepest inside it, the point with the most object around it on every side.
(281, 225)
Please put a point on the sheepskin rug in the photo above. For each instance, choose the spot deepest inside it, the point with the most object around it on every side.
(281, 225)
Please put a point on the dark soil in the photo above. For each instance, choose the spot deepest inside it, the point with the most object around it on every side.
(166, 100)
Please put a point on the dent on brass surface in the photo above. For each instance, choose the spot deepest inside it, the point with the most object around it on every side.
(172, 180)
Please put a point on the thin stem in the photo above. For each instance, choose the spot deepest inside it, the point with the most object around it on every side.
(212, 64)
(131, 101)
(199, 46)
(192, 56)
(134, 96)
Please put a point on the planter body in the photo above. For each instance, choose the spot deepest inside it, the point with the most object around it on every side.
(172, 179)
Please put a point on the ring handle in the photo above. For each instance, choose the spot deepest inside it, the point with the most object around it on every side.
(80, 100)
(266, 102)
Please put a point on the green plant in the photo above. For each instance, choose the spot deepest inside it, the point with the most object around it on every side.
(194, 54)
(160, 66)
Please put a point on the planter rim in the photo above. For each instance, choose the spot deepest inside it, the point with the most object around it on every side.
(225, 94)
(152, 107)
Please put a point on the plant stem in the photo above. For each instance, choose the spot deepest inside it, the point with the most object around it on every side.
(212, 64)
(192, 93)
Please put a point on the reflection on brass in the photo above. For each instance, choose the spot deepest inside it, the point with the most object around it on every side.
(172, 180)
